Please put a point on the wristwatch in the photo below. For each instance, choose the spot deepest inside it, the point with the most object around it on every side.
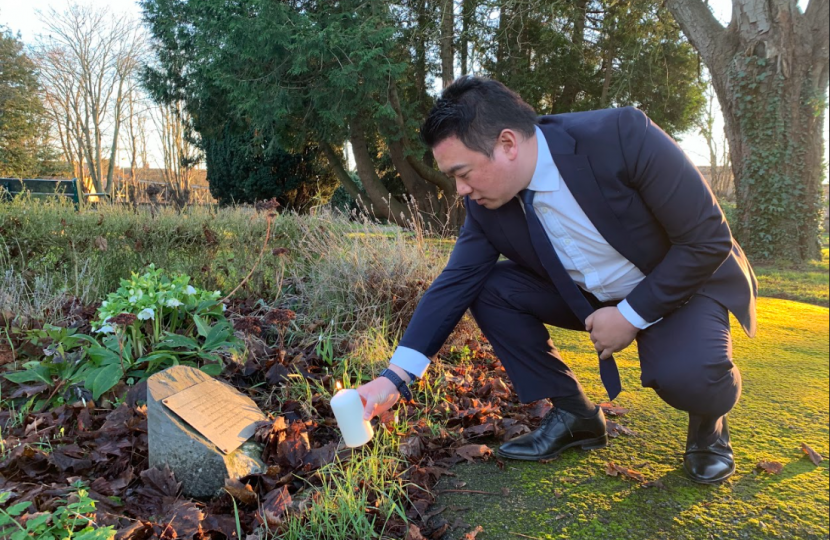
(398, 382)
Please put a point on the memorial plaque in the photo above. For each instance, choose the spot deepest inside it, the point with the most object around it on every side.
(222, 415)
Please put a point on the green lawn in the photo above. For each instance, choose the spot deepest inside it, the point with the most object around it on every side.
(807, 284)
(785, 403)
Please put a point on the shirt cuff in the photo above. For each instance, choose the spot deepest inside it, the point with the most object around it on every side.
(410, 360)
(633, 317)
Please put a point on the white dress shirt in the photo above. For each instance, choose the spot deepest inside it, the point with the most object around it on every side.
(590, 260)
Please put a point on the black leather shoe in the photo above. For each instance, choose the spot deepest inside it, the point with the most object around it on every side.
(708, 458)
(559, 431)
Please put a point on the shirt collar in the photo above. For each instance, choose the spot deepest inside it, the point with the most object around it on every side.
(546, 175)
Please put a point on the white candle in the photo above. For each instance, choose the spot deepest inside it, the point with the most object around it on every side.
(348, 410)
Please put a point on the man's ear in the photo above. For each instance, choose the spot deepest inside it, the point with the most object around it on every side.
(508, 143)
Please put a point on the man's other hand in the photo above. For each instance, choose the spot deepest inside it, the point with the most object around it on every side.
(610, 331)
(378, 397)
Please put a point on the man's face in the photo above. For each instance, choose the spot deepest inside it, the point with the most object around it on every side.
(490, 182)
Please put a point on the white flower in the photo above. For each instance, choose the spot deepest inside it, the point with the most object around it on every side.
(104, 303)
(132, 299)
(173, 302)
(146, 313)
(106, 329)
(190, 290)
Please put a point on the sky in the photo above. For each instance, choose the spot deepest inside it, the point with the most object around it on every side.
(22, 16)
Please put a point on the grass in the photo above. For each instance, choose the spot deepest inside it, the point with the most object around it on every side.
(338, 509)
(785, 403)
(807, 283)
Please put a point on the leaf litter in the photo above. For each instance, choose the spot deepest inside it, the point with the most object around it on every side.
(106, 446)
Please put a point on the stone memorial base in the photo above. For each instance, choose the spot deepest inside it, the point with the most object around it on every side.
(196, 462)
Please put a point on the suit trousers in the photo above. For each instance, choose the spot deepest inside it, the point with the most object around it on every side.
(686, 357)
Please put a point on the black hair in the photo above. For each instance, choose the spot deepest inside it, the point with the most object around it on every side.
(476, 110)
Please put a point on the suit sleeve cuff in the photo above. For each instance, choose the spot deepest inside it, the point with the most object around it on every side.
(410, 360)
(633, 317)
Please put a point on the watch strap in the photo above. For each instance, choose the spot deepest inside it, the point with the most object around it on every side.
(398, 382)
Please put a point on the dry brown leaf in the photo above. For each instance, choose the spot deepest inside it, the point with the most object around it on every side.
(472, 534)
(100, 243)
(472, 451)
(274, 506)
(615, 430)
(612, 469)
(612, 410)
(540, 409)
(814, 456)
(183, 520)
(414, 533)
(239, 491)
(411, 448)
(159, 483)
(514, 431)
(772, 467)
(655, 484)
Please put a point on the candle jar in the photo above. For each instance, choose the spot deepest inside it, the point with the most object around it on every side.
(348, 411)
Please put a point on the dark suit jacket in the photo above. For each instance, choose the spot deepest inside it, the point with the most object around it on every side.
(646, 199)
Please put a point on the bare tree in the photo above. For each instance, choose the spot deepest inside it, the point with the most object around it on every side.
(89, 60)
(770, 67)
(135, 140)
(178, 152)
(720, 174)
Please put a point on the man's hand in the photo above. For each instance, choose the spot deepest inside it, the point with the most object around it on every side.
(378, 397)
(610, 331)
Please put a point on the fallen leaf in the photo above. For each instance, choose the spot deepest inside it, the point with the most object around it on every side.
(138, 530)
(294, 448)
(243, 493)
(655, 484)
(414, 533)
(101, 243)
(612, 410)
(277, 375)
(772, 467)
(612, 469)
(615, 430)
(814, 456)
(275, 505)
(472, 451)
(320, 456)
(183, 520)
(472, 534)
(481, 430)
(159, 483)
(411, 448)
(540, 409)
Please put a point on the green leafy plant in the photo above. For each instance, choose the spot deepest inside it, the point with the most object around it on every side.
(69, 521)
(150, 323)
(160, 304)
(154, 321)
(62, 355)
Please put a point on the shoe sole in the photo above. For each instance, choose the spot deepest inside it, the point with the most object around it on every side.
(590, 444)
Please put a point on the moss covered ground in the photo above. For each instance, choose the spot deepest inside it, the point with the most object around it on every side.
(784, 404)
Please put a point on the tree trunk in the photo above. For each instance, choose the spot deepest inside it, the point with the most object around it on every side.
(467, 11)
(572, 84)
(340, 171)
(770, 71)
(447, 35)
(114, 150)
(383, 204)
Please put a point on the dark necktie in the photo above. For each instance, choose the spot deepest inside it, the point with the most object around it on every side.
(569, 291)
